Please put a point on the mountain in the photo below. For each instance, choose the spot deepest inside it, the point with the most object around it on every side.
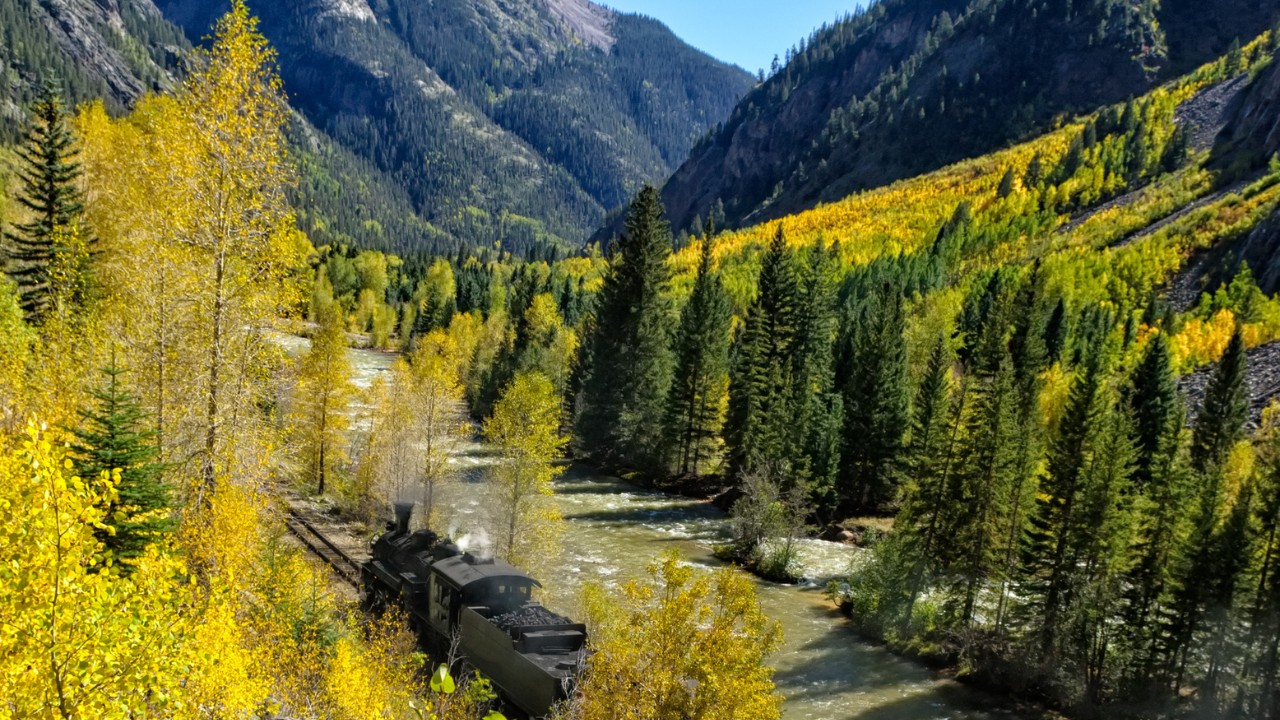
(111, 49)
(908, 86)
(513, 121)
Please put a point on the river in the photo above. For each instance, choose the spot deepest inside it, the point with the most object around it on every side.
(824, 670)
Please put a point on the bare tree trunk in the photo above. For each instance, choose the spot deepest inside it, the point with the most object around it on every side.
(215, 368)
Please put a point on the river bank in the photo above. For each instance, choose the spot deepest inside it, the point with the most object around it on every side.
(613, 529)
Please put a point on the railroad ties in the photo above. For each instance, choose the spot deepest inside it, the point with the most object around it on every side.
(320, 546)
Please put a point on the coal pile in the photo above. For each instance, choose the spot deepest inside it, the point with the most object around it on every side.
(529, 616)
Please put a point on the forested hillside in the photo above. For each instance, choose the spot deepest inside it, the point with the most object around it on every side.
(906, 87)
(115, 51)
(522, 123)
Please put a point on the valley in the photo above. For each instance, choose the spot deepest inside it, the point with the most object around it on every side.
(934, 373)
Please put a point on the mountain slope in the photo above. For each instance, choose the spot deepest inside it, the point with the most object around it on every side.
(912, 85)
(111, 49)
(519, 122)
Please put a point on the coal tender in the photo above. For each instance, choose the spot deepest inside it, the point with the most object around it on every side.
(531, 654)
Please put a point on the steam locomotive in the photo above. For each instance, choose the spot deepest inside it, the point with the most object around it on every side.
(531, 654)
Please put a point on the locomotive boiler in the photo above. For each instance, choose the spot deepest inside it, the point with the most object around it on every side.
(531, 654)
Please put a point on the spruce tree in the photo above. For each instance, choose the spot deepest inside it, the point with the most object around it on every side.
(1102, 549)
(1049, 559)
(986, 478)
(694, 411)
(624, 397)
(1220, 423)
(761, 390)
(988, 473)
(819, 407)
(1203, 578)
(1232, 558)
(1029, 357)
(1159, 483)
(875, 401)
(1264, 621)
(49, 177)
(113, 436)
(982, 301)
(1155, 404)
(1056, 332)
(926, 465)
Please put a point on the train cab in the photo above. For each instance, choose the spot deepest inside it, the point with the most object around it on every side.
(487, 586)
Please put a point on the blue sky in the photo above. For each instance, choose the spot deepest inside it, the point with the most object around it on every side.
(746, 32)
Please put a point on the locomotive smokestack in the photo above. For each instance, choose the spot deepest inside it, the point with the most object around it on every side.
(404, 511)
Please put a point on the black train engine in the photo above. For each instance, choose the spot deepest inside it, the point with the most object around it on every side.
(531, 654)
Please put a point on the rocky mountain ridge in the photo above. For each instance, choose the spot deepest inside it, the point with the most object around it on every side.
(909, 86)
(520, 122)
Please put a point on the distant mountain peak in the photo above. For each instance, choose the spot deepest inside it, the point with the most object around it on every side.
(588, 21)
(351, 9)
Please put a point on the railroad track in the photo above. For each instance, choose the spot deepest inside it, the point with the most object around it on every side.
(320, 546)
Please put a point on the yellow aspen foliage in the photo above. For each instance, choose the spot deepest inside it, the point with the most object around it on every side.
(550, 346)
(77, 638)
(16, 341)
(133, 201)
(525, 426)
(235, 171)
(1237, 473)
(438, 414)
(1055, 395)
(683, 644)
(464, 332)
(226, 679)
(321, 399)
(390, 458)
(373, 679)
(224, 541)
(1202, 342)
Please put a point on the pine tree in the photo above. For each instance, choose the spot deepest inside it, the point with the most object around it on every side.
(1056, 332)
(49, 190)
(926, 465)
(1103, 549)
(1264, 621)
(1050, 556)
(1156, 407)
(1226, 405)
(987, 473)
(982, 301)
(695, 412)
(1029, 357)
(875, 401)
(113, 436)
(623, 401)
(761, 394)
(1232, 554)
(819, 407)
(1202, 576)
(1159, 483)
(1007, 184)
